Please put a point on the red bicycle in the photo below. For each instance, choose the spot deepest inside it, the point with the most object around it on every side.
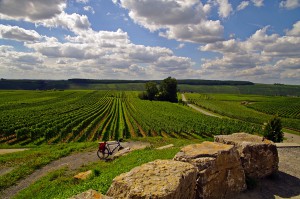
(104, 149)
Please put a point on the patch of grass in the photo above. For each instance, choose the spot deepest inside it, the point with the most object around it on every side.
(64, 185)
(26, 162)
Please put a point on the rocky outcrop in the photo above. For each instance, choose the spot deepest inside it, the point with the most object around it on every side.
(165, 179)
(220, 174)
(90, 194)
(259, 156)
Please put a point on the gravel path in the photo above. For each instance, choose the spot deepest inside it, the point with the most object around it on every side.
(73, 162)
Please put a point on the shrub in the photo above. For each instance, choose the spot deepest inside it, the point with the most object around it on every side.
(273, 129)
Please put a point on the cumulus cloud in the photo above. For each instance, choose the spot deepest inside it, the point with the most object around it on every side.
(290, 4)
(243, 5)
(258, 3)
(295, 31)
(262, 54)
(89, 9)
(82, 1)
(176, 19)
(74, 22)
(31, 10)
(225, 8)
(19, 34)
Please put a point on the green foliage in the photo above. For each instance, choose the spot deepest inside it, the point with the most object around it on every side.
(151, 89)
(273, 130)
(168, 90)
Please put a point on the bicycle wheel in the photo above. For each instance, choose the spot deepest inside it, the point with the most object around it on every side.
(103, 154)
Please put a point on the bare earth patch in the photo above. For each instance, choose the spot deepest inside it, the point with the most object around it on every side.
(5, 151)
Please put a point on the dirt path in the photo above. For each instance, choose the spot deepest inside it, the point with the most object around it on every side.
(292, 138)
(285, 185)
(203, 111)
(5, 151)
(73, 162)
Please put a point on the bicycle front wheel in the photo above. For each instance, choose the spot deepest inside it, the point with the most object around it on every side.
(103, 154)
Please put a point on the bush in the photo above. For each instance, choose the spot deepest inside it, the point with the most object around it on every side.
(273, 130)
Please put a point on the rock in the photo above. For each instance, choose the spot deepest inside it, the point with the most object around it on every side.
(165, 179)
(83, 175)
(122, 152)
(220, 174)
(259, 156)
(90, 194)
(165, 147)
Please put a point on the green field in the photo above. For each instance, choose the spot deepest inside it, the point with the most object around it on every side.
(251, 108)
(36, 117)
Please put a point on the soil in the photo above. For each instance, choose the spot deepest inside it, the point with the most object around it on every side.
(5, 151)
(73, 162)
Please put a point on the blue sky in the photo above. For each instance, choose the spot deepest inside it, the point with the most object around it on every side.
(254, 40)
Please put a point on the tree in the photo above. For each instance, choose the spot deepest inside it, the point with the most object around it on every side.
(273, 130)
(168, 90)
(151, 90)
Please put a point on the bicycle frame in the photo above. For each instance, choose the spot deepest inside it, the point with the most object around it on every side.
(112, 151)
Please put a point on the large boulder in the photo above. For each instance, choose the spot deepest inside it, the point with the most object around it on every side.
(220, 174)
(165, 179)
(258, 155)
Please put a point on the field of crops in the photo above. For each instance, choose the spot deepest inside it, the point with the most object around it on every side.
(251, 108)
(67, 116)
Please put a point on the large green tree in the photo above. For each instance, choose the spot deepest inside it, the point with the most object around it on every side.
(151, 89)
(168, 90)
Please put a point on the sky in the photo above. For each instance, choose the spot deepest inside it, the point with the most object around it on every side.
(253, 40)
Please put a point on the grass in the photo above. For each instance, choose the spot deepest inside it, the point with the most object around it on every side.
(61, 184)
(26, 162)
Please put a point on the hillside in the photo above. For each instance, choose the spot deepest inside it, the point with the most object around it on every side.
(184, 85)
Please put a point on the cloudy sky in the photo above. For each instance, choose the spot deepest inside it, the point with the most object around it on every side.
(255, 40)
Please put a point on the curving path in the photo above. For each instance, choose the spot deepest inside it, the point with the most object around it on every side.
(73, 162)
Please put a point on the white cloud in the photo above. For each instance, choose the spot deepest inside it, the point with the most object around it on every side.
(225, 8)
(82, 1)
(258, 3)
(181, 45)
(262, 56)
(295, 31)
(31, 10)
(89, 9)
(175, 19)
(74, 22)
(243, 5)
(290, 4)
(17, 33)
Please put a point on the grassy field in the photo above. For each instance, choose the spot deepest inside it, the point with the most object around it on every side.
(251, 108)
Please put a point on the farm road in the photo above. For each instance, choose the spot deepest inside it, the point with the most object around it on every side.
(203, 111)
(73, 162)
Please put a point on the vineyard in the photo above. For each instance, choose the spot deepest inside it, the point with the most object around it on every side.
(69, 116)
(251, 108)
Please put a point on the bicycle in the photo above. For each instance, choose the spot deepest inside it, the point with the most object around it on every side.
(104, 150)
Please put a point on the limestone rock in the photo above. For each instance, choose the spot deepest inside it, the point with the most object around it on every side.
(259, 156)
(165, 179)
(83, 175)
(220, 174)
(90, 194)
